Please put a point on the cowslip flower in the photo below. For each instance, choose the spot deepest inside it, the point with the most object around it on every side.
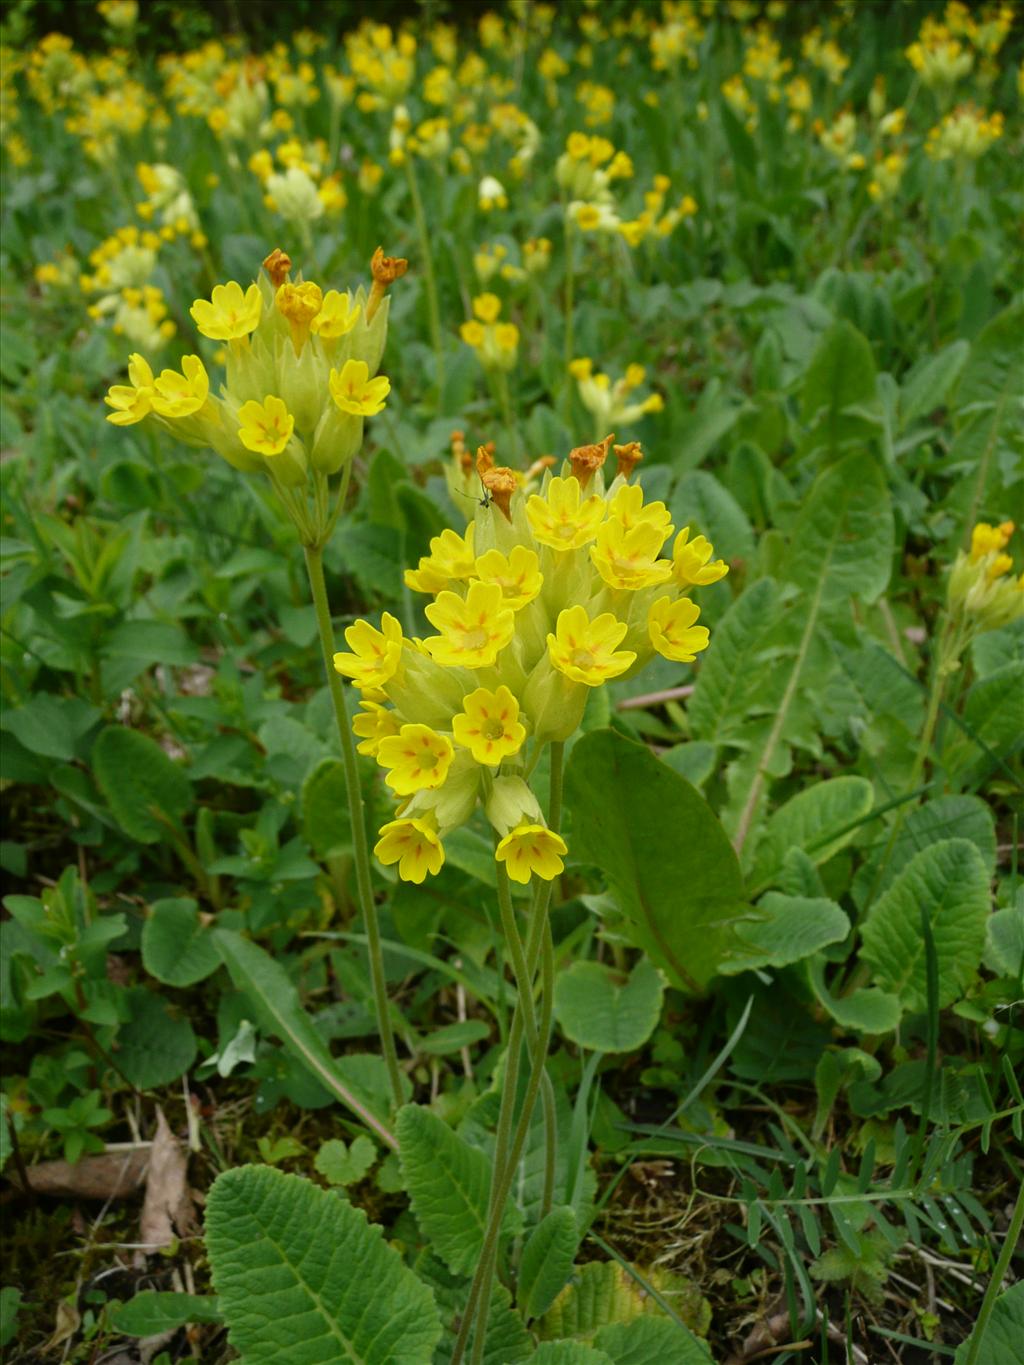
(132, 401)
(472, 630)
(180, 395)
(532, 848)
(375, 654)
(229, 314)
(337, 316)
(413, 845)
(417, 759)
(562, 519)
(451, 557)
(373, 723)
(266, 428)
(672, 629)
(587, 650)
(517, 574)
(628, 558)
(690, 561)
(489, 726)
(355, 392)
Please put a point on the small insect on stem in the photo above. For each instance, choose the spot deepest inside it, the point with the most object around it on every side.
(485, 501)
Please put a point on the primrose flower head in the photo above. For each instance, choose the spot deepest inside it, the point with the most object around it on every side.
(982, 589)
(547, 596)
(300, 375)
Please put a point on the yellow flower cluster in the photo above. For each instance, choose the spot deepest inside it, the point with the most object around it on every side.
(546, 597)
(299, 382)
(965, 133)
(612, 403)
(496, 343)
(980, 584)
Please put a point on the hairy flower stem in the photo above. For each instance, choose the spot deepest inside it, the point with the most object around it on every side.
(995, 1284)
(508, 1152)
(433, 303)
(357, 818)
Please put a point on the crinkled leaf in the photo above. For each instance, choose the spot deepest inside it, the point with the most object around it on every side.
(304, 1279)
(547, 1261)
(792, 928)
(950, 881)
(820, 820)
(652, 1341)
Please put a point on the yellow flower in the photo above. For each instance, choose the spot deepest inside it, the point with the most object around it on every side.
(299, 304)
(451, 556)
(986, 538)
(629, 559)
(531, 848)
(506, 336)
(673, 633)
(585, 650)
(487, 307)
(266, 427)
(560, 520)
(355, 392)
(373, 723)
(337, 316)
(517, 574)
(413, 845)
(417, 759)
(473, 630)
(134, 400)
(230, 314)
(179, 395)
(690, 561)
(473, 333)
(628, 508)
(375, 653)
(489, 726)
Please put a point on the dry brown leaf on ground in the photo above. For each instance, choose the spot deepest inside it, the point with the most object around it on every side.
(167, 1207)
(110, 1176)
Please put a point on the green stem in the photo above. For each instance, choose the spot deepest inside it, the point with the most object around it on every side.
(1010, 1242)
(570, 289)
(357, 817)
(428, 271)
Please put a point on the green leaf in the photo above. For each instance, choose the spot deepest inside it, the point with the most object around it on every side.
(50, 726)
(667, 859)
(140, 782)
(345, 1165)
(993, 720)
(992, 372)
(157, 642)
(597, 1008)
(177, 947)
(1004, 948)
(508, 1341)
(946, 817)
(994, 649)
(841, 376)
(569, 1353)
(926, 387)
(950, 880)
(794, 927)
(820, 820)
(10, 1303)
(303, 1278)
(601, 1293)
(155, 1046)
(453, 1037)
(841, 545)
(1003, 1334)
(547, 1261)
(325, 822)
(448, 1183)
(729, 678)
(651, 1341)
(707, 506)
(867, 1010)
(152, 1312)
(275, 1003)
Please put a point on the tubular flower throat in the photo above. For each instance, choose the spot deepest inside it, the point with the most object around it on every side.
(548, 595)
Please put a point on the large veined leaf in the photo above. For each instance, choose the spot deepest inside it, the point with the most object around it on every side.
(303, 1279)
(867, 1010)
(792, 928)
(994, 721)
(177, 947)
(603, 1294)
(840, 384)
(547, 1262)
(820, 820)
(987, 397)
(569, 1353)
(1004, 1332)
(667, 859)
(600, 1009)
(145, 790)
(959, 816)
(1004, 946)
(704, 503)
(508, 1341)
(275, 1003)
(448, 1183)
(928, 383)
(651, 1341)
(950, 882)
(841, 546)
(729, 675)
